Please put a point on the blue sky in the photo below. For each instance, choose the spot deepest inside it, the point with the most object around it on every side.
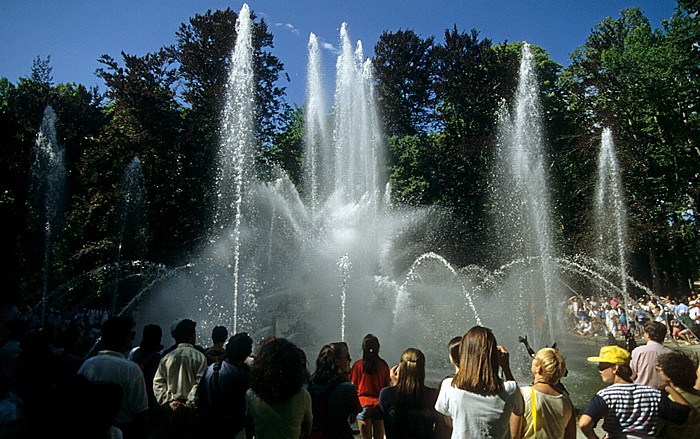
(75, 33)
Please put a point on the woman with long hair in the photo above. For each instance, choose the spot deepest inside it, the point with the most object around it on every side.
(548, 412)
(370, 374)
(477, 401)
(334, 400)
(277, 402)
(408, 407)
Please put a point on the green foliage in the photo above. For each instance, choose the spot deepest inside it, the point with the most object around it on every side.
(403, 66)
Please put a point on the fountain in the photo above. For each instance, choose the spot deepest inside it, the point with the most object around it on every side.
(131, 219)
(48, 184)
(335, 260)
(521, 197)
(610, 214)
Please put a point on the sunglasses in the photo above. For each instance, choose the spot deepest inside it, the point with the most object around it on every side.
(603, 366)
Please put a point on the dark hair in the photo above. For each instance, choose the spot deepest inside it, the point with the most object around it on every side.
(115, 329)
(219, 334)
(370, 354)
(152, 335)
(239, 347)
(453, 349)
(279, 370)
(183, 331)
(656, 331)
(326, 366)
(478, 363)
(680, 368)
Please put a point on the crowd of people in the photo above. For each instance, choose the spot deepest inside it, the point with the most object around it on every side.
(603, 316)
(231, 390)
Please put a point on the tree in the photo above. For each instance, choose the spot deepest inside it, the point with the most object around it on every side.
(145, 122)
(643, 84)
(403, 66)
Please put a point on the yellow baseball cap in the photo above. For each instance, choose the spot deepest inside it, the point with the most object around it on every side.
(612, 355)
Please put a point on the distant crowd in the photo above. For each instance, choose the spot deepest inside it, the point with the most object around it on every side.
(234, 389)
(603, 316)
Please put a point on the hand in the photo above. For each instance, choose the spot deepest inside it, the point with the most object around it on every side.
(394, 375)
(177, 406)
(503, 356)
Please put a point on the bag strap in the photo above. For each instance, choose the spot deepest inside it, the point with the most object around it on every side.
(533, 402)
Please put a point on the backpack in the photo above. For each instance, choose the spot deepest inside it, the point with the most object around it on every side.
(322, 427)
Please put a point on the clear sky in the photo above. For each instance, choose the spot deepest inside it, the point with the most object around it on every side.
(75, 33)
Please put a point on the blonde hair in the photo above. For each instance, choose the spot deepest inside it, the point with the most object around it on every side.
(552, 362)
(409, 388)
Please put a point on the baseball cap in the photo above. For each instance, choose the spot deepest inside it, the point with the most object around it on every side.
(612, 355)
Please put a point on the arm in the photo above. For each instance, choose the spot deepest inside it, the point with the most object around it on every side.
(586, 425)
(516, 426)
(504, 362)
(570, 430)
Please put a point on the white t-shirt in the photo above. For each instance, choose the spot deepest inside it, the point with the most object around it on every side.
(478, 416)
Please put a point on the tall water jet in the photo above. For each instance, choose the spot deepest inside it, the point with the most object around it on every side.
(238, 141)
(610, 212)
(355, 136)
(316, 158)
(131, 219)
(48, 184)
(523, 200)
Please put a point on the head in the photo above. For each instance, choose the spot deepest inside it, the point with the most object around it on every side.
(152, 335)
(333, 362)
(453, 349)
(370, 353)
(219, 335)
(478, 363)
(613, 362)
(655, 331)
(411, 378)
(183, 331)
(679, 368)
(118, 333)
(239, 347)
(279, 370)
(550, 364)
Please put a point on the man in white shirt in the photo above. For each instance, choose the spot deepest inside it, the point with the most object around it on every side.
(176, 380)
(111, 365)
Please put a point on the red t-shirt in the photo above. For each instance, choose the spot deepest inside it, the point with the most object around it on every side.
(369, 385)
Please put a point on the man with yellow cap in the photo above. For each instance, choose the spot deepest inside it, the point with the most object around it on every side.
(629, 410)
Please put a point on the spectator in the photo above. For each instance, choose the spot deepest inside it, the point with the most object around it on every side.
(477, 401)
(548, 412)
(370, 374)
(110, 365)
(408, 408)
(277, 402)
(628, 409)
(644, 358)
(221, 393)
(679, 371)
(334, 399)
(217, 352)
(176, 380)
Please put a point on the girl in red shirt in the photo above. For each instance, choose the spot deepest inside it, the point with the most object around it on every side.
(370, 375)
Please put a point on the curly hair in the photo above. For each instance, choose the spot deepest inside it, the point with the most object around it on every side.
(552, 362)
(326, 366)
(680, 368)
(279, 370)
